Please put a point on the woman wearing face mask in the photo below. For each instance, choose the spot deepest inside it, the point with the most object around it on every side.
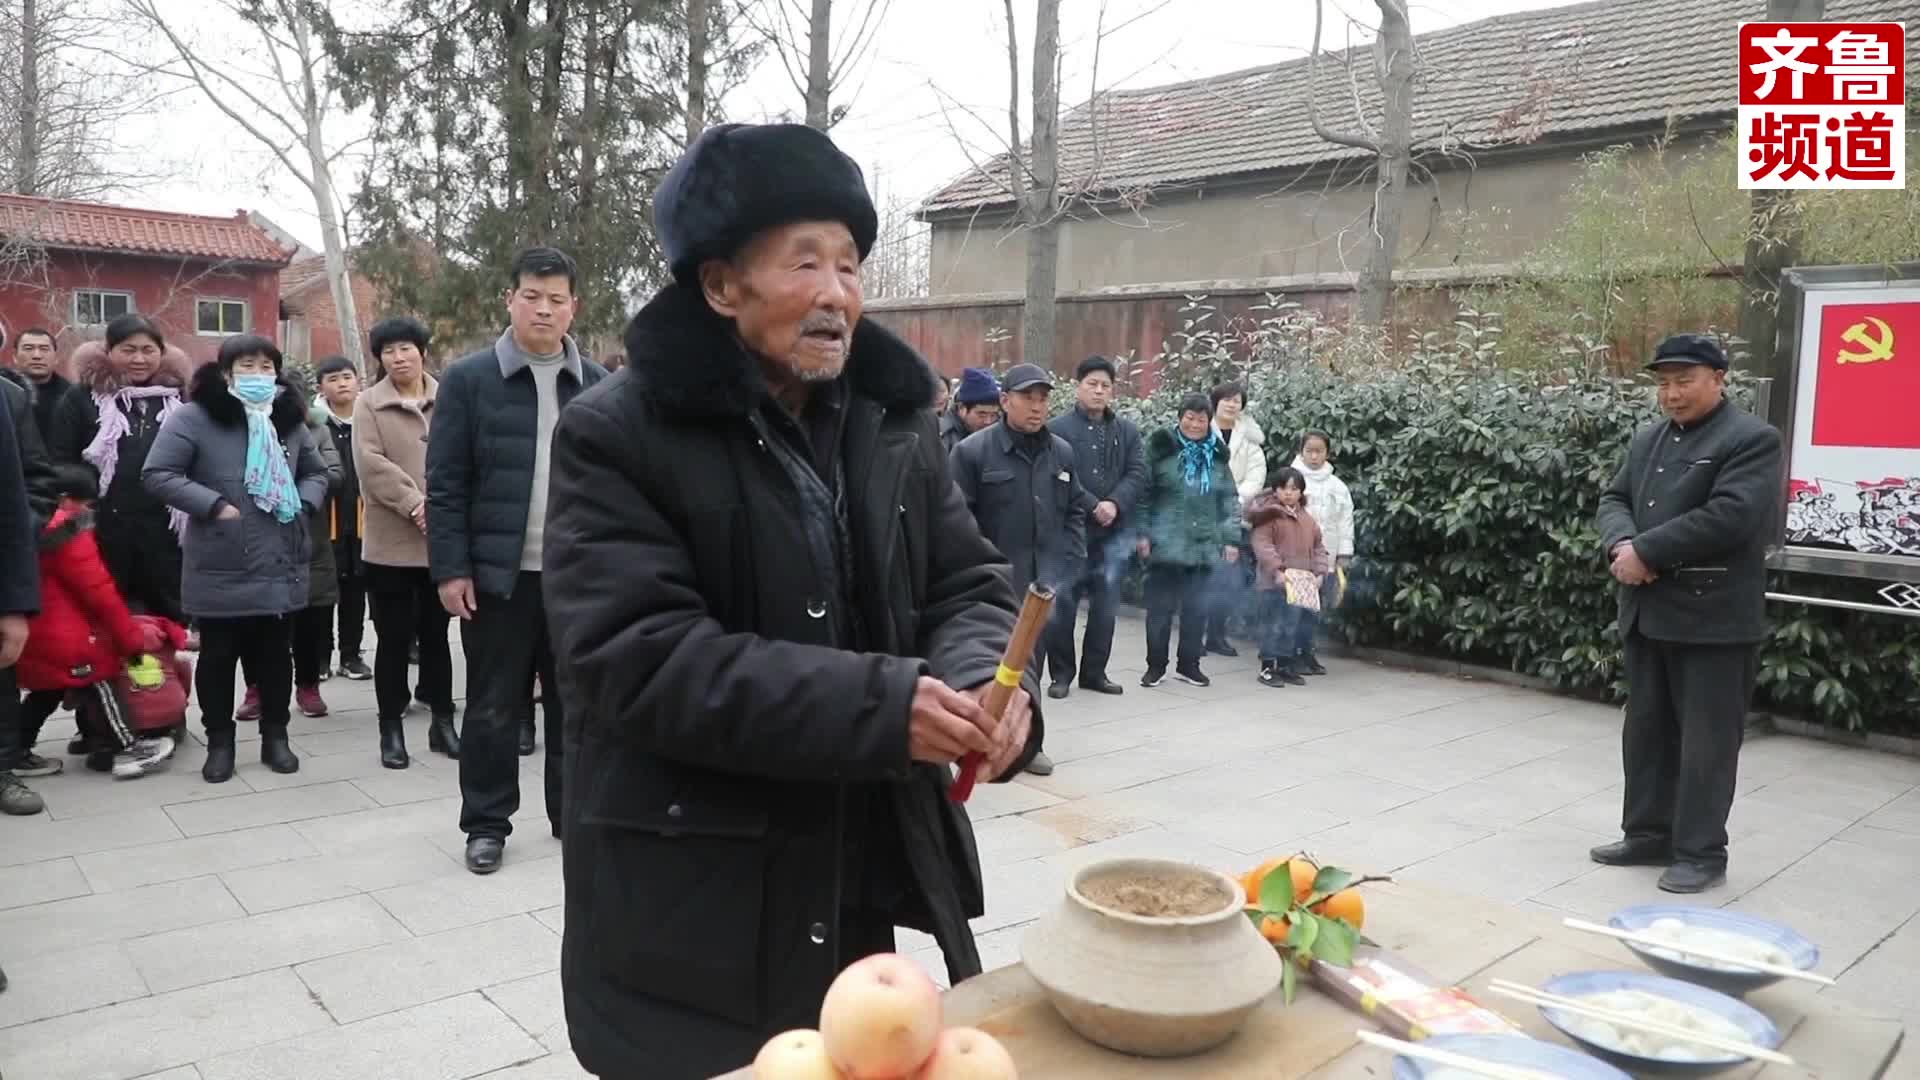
(239, 461)
(108, 423)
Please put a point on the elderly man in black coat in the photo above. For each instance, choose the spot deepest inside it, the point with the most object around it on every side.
(775, 619)
(1685, 525)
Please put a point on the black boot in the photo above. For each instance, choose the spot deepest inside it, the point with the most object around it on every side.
(275, 754)
(526, 737)
(219, 766)
(1309, 664)
(442, 738)
(393, 744)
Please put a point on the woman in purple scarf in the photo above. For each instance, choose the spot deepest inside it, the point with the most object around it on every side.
(125, 391)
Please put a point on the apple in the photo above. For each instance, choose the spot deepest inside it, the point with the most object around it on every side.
(800, 1054)
(968, 1054)
(880, 1018)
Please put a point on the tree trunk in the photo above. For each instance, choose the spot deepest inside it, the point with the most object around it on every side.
(326, 208)
(27, 182)
(1393, 63)
(1043, 190)
(697, 34)
(1773, 244)
(820, 65)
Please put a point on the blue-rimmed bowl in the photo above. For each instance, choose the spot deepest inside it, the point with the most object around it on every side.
(1549, 1058)
(1751, 1021)
(1801, 953)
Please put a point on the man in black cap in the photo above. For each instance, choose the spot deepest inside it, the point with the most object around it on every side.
(775, 619)
(1020, 481)
(1685, 525)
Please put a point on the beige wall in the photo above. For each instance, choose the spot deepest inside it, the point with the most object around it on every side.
(1261, 231)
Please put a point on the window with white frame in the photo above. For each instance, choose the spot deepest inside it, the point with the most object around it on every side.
(220, 318)
(98, 307)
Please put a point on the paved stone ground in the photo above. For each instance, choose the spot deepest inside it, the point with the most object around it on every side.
(321, 925)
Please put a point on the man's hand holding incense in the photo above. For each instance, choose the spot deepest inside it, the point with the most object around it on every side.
(1010, 734)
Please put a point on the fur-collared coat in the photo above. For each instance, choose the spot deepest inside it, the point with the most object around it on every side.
(254, 564)
(738, 778)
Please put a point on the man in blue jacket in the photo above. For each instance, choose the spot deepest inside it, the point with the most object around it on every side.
(487, 462)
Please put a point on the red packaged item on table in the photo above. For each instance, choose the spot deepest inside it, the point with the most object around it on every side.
(1407, 1002)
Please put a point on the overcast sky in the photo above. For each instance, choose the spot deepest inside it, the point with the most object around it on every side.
(927, 97)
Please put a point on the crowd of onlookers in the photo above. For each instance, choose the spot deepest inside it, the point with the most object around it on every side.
(1202, 505)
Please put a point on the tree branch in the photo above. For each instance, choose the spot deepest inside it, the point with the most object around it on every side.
(1338, 138)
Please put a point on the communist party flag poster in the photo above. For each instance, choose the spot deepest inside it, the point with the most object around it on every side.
(1868, 389)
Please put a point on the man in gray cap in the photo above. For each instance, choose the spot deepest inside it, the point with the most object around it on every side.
(1685, 525)
(775, 620)
(1020, 481)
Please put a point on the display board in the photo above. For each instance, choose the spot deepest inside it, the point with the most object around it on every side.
(1853, 450)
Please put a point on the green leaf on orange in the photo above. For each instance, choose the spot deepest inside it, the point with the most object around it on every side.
(1330, 880)
(1334, 941)
(1276, 889)
(1303, 934)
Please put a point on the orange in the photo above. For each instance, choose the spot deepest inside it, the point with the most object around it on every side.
(1345, 904)
(1254, 877)
(1303, 874)
(1275, 929)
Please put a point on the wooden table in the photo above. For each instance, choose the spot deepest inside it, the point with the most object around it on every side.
(1451, 936)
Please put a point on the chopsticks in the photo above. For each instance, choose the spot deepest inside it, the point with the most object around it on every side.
(1533, 996)
(1651, 942)
(1492, 1070)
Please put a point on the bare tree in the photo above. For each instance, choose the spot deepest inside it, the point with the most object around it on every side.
(821, 71)
(1774, 235)
(63, 103)
(1035, 176)
(283, 103)
(699, 32)
(900, 263)
(1391, 144)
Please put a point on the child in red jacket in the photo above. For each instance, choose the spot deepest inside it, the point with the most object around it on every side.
(84, 636)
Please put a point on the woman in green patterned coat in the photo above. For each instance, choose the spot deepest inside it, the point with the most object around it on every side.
(1190, 520)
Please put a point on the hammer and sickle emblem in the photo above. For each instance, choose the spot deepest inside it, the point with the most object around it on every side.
(1872, 349)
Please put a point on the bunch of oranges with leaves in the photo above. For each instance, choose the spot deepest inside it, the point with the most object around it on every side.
(1309, 912)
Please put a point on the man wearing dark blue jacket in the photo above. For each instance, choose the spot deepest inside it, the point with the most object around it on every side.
(487, 464)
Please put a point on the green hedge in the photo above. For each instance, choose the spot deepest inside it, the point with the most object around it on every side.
(1475, 490)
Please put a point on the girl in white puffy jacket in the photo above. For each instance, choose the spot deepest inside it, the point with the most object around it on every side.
(1331, 505)
(1328, 495)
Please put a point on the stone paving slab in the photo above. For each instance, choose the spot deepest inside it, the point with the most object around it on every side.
(321, 925)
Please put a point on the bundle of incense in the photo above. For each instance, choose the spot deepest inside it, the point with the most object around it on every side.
(1013, 664)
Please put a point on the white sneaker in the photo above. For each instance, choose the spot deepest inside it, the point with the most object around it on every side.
(142, 757)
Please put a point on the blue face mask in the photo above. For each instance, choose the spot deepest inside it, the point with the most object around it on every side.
(253, 389)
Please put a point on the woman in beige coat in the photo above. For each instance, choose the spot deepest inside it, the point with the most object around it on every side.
(390, 453)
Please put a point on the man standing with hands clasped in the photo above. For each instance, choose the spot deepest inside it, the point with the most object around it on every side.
(1685, 525)
(1113, 469)
(487, 465)
(765, 721)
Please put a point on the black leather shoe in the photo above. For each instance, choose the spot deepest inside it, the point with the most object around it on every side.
(1059, 691)
(275, 754)
(1691, 877)
(1222, 648)
(218, 768)
(1309, 664)
(1634, 851)
(442, 738)
(526, 740)
(1102, 685)
(484, 853)
(393, 745)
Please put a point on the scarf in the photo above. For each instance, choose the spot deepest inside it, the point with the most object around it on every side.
(268, 478)
(1319, 476)
(103, 453)
(1196, 461)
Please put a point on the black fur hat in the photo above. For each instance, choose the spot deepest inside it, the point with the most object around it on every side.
(738, 179)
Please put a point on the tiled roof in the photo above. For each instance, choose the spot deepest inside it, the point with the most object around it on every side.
(76, 226)
(302, 273)
(1581, 69)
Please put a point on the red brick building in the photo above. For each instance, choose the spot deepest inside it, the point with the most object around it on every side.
(73, 267)
(310, 323)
